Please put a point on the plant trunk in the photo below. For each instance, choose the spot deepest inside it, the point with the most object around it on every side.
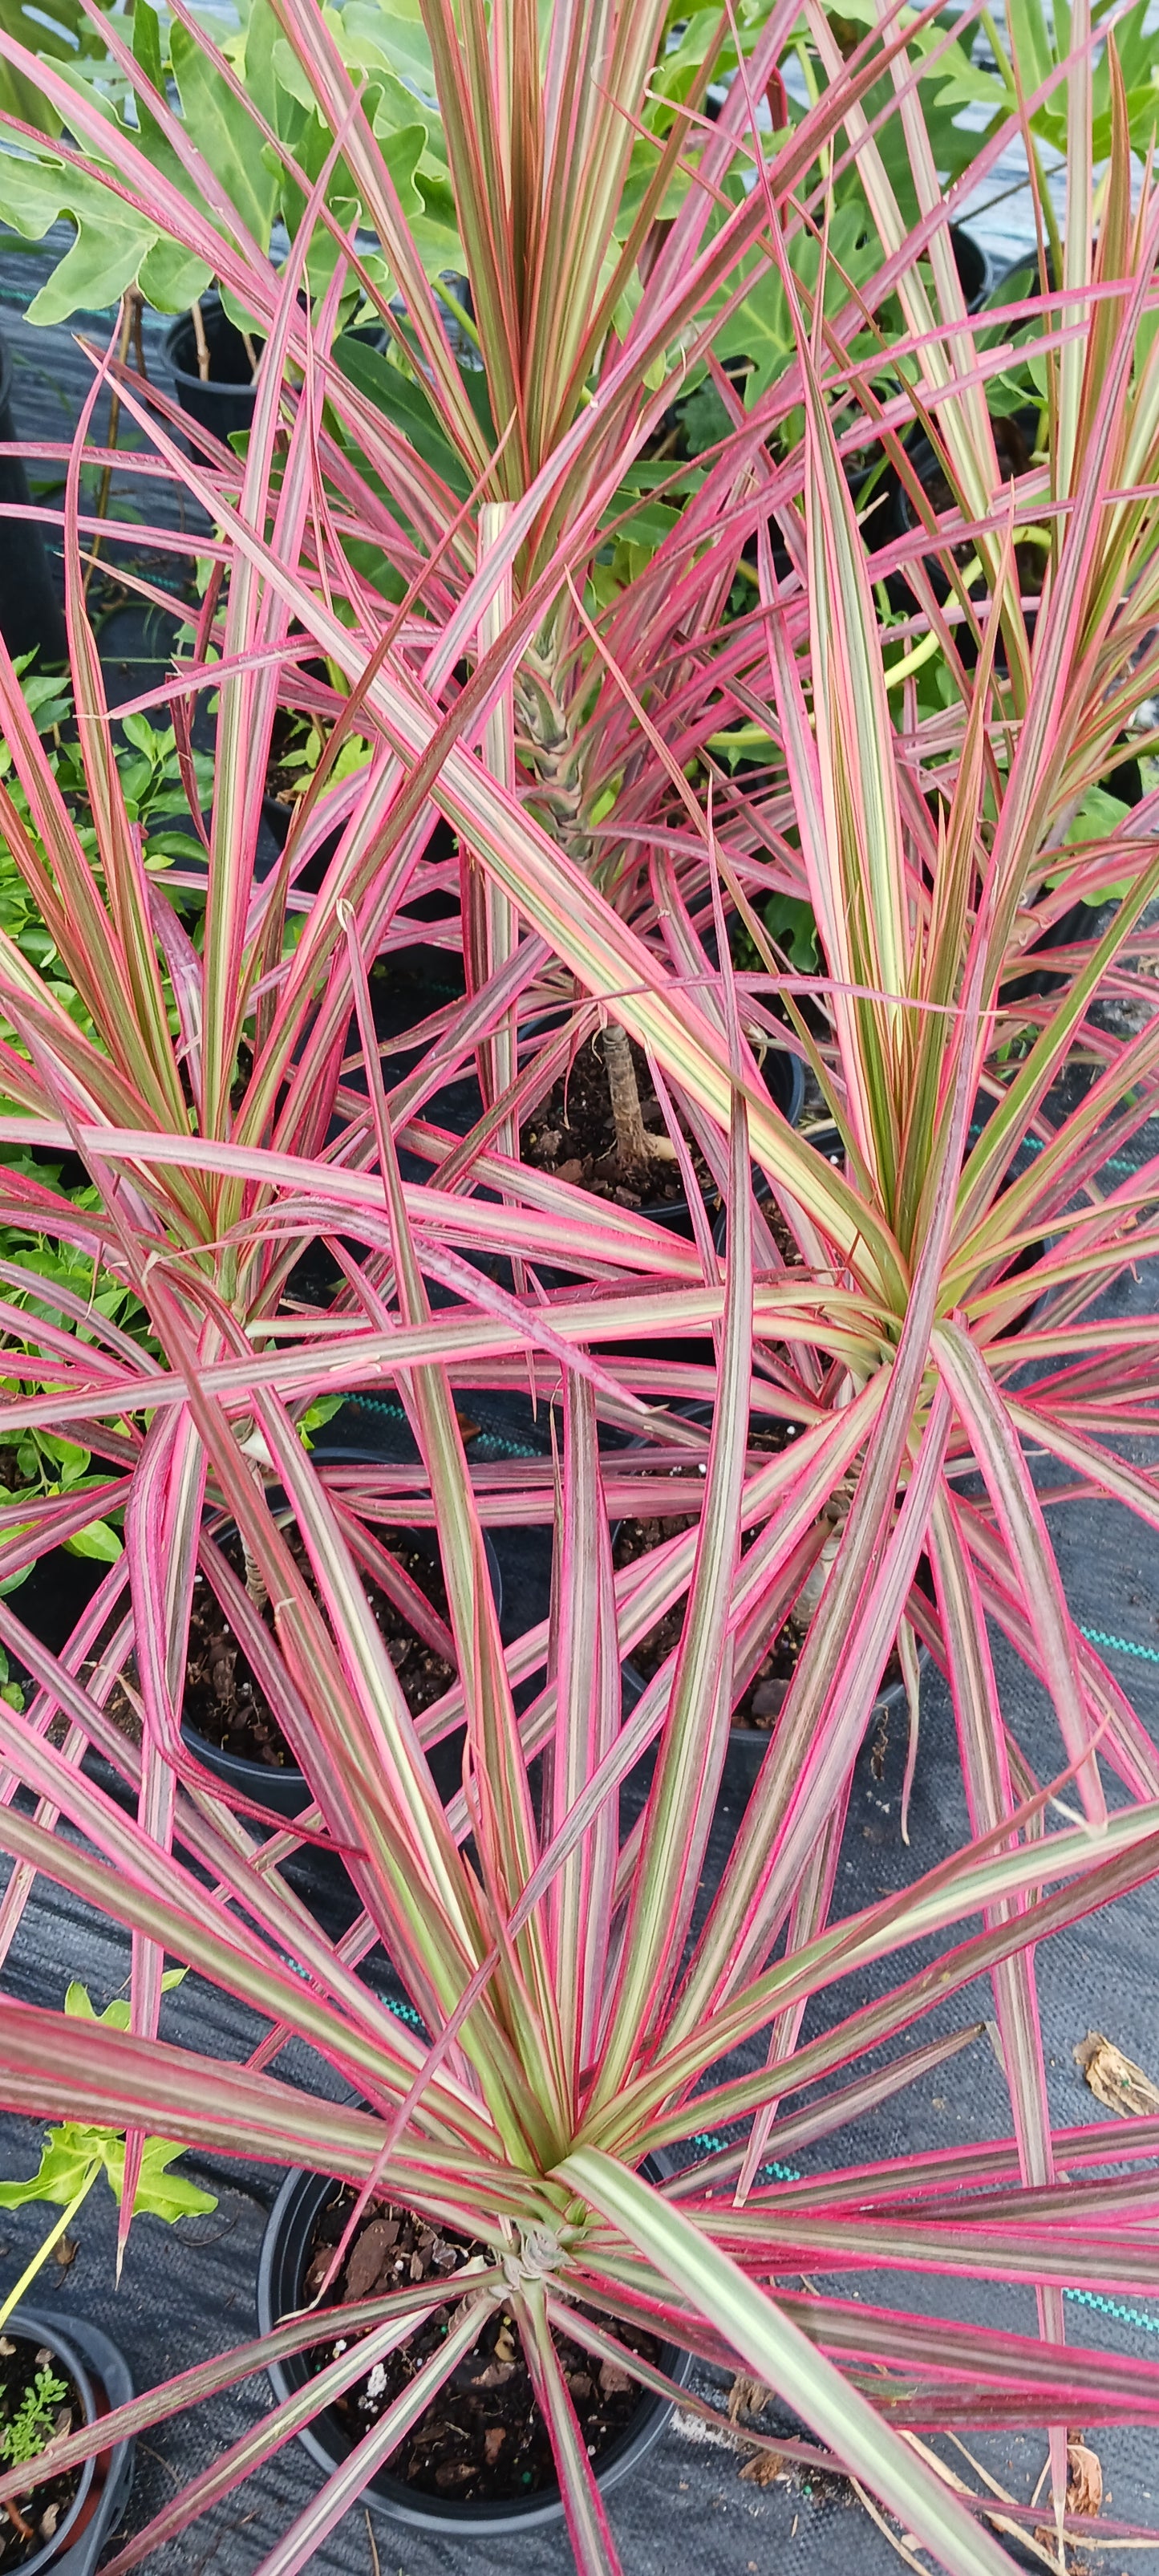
(255, 1581)
(633, 1143)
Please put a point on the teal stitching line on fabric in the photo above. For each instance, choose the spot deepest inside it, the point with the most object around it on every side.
(395, 1413)
(712, 2145)
(1124, 1645)
(1114, 2308)
(407, 2013)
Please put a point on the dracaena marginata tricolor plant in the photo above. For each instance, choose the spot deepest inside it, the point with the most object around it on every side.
(919, 784)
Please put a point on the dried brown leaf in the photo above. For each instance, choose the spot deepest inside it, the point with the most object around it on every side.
(369, 2257)
(1114, 2079)
(1084, 2491)
(763, 2469)
(747, 2397)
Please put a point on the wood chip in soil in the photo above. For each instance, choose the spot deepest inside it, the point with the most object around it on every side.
(225, 1703)
(483, 2437)
(1115, 2080)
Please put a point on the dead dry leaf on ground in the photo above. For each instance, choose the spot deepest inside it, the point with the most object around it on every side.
(1115, 2079)
(1084, 2491)
(747, 2397)
(763, 2469)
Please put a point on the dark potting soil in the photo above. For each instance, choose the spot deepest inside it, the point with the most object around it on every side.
(483, 2436)
(226, 1705)
(760, 1705)
(1014, 455)
(572, 1135)
(38, 2400)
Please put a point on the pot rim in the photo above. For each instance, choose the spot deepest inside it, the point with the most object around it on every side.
(751, 1739)
(212, 312)
(255, 1780)
(392, 2497)
(32, 2327)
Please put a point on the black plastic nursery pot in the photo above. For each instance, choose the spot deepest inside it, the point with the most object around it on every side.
(748, 1745)
(278, 816)
(285, 2252)
(102, 2380)
(1013, 438)
(31, 616)
(284, 1789)
(55, 1593)
(1080, 920)
(222, 402)
(784, 1079)
(974, 267)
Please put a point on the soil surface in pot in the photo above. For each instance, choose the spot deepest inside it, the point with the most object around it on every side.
(760, 1705)
(482, 2439)
(228, 1707)
(572, 1135)
(38, 2400)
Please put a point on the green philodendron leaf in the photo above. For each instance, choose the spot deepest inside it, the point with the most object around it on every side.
(222, 130)
(290, 74)
(93, 275)
(648, 525)
(170, 279)
(404, 401)
(61, 33)
(108, 249)
(402, 149)
(1142, 116)
(160, 2194)
(321, 1411)
(20, 97)
(1099, 817)
(435, 231)
(70, 2153)
(397, 34)
(174, 845)
(66, 2159)
(760, 329)
(789, 920)
(79, 2005)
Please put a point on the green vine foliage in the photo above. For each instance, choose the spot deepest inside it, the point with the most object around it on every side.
(74, 2154)
(32, 2426)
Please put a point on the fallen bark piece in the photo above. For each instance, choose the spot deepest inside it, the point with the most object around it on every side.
(1115, 2079)
(1084, 2486)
